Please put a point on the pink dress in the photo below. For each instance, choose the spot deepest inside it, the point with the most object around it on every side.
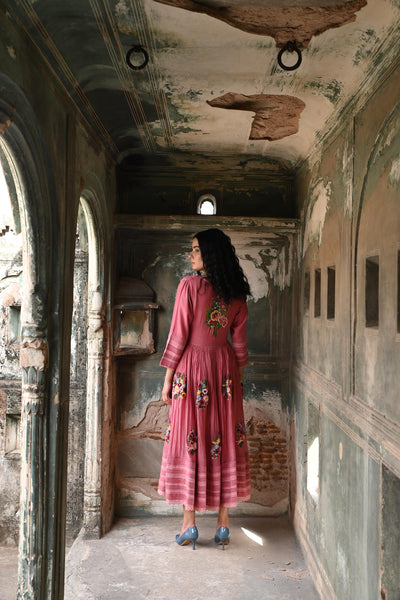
(205, 461)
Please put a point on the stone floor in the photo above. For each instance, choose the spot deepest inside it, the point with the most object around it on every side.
(139, 559)
(8, 572)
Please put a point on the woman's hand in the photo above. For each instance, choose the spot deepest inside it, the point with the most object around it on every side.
(167, 387)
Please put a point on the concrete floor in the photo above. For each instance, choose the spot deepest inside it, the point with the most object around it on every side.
(140, 559)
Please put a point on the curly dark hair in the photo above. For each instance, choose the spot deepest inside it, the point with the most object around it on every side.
(222, 265)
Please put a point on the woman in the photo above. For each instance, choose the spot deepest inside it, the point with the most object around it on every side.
(205, 462)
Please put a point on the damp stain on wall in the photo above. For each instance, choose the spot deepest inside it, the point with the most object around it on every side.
(330, 89)
(368, 42)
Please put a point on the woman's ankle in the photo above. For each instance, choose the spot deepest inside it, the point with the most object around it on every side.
(189, 519)
(223, 517)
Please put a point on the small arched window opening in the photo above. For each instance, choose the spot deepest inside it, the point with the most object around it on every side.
(207, 205)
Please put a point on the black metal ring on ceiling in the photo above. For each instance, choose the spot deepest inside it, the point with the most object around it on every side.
(290, 47)
(136, 50)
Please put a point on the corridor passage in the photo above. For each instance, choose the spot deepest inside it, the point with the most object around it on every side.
(139, 559)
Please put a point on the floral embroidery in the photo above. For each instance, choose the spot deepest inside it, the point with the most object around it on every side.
(216, 447)
(202, 394)
(192, 442)
(240, 434)
(179, 386)
(168, 433)
(227, 388)
(217, 316)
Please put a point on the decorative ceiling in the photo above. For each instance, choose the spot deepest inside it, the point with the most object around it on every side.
(212, 87)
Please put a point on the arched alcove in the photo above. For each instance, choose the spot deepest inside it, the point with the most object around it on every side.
(375, 271)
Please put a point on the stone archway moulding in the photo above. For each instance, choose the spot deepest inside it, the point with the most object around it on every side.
(94, 217)
(26, 161)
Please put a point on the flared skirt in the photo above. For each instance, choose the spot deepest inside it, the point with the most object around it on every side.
(205, 461)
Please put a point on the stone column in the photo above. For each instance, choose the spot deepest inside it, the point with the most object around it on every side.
(34, 361)
(94, 391)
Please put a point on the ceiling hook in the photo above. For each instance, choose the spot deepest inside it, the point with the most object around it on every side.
(290, 47)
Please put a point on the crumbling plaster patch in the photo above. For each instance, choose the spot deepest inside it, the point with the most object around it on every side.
(154, 422)
(256, 276)
(34, 354)
(347, 167)
(153, 415)
(11, 296)
(269, 407)
(11, 52)
(316, 214)
(123, 17)
(394, 175)
(6, 124)
(277, 116)
(299, 23)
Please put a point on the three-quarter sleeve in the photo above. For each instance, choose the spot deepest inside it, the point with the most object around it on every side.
(180, 325)
(239, 335)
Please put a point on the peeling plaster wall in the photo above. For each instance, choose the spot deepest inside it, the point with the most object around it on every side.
(346, 370)
(156, 250)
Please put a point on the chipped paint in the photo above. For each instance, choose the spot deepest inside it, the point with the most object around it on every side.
(265, 267)
(11, 52)
(6, 124)
(122, 9)
(256, 276)
(316, 214)
(347, 167)
(394, 175)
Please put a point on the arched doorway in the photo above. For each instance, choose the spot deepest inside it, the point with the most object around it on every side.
(26, 163)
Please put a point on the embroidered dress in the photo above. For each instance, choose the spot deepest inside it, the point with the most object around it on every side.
(205, 461)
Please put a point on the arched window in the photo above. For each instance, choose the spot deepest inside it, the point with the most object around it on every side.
(207, 205)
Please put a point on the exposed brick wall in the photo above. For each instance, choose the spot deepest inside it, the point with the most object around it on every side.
(138, 468)
(268, 449)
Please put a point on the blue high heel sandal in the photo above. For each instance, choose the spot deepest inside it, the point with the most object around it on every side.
(190, 535)
(222, 536)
